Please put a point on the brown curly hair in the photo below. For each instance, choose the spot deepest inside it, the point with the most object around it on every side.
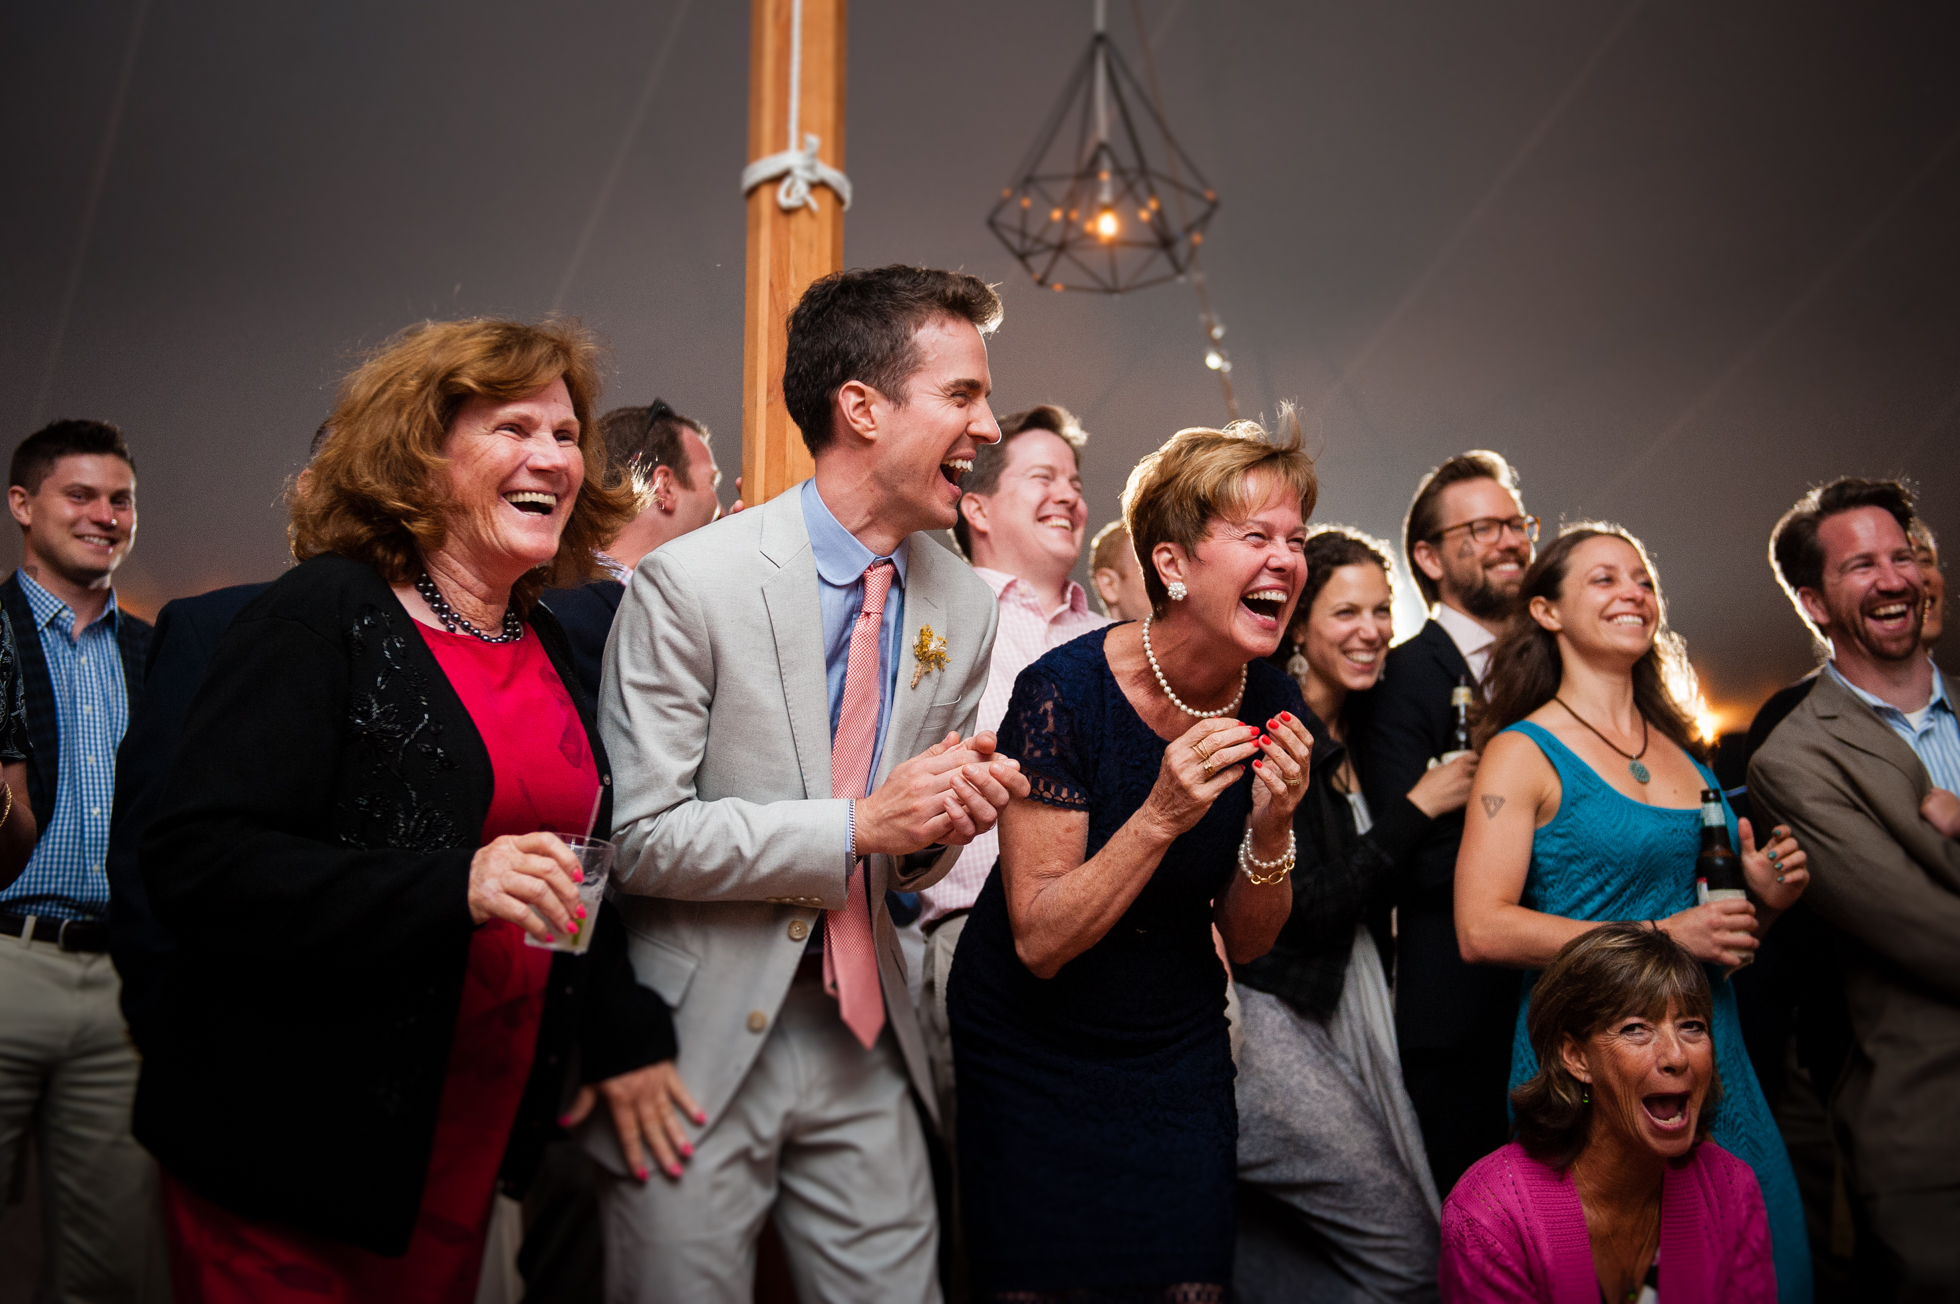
(376, 490)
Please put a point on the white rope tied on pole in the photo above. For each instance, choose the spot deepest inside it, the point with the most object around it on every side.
(800, 169)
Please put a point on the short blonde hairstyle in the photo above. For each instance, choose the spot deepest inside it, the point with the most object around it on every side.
(376, 491)
(1107, 548)
(1201, 475)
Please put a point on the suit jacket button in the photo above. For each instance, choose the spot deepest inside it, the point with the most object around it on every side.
(757, 1021)
(799, 930)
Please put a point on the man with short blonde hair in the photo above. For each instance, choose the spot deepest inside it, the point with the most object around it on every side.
(1116, 573)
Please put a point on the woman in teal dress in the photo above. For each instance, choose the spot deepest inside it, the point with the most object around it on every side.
(1587, 808)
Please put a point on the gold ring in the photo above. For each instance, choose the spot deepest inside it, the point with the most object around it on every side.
(1203, 753)
(1207, 765)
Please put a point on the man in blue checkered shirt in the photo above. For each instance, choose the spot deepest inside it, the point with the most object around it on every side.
(63, 1047)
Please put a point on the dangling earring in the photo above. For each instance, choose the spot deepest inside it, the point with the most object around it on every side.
(1177, 590)
(1585, 1097)
(1296, 665)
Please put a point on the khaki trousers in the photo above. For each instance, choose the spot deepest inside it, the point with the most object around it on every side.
(63, 1049)
(824, 1136)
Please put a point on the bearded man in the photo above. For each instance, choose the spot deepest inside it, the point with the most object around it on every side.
(1467, 542)
(1849, 770)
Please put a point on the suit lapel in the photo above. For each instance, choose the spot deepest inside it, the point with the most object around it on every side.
(1856, 725)
(796, 623)
(922, 607)
(1446, 652)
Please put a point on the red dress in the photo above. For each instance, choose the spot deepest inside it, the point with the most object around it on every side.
(545, 779)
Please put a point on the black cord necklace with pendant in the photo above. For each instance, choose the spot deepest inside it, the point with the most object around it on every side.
(454, 622)
(1639, 772)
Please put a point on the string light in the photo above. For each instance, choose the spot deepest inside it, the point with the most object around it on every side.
(1106, 224)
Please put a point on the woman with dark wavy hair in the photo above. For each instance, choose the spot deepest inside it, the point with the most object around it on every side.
(1587, 809)
(1612, 1185)
(365, 823)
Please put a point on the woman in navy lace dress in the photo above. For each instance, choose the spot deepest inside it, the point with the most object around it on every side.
(1096, 1125)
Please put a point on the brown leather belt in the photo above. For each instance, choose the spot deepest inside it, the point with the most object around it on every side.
(85, 935)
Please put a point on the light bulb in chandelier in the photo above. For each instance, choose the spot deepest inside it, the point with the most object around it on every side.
(1214, 359)
(1106, 225)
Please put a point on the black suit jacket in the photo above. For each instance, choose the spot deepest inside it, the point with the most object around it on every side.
(585, 612)
(1399, 725)
(310, 852)
(43, 728)
(187, 633)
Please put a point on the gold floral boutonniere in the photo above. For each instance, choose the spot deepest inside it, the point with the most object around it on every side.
(929, 653)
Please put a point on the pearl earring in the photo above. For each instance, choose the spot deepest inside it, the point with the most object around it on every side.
(1177, 590)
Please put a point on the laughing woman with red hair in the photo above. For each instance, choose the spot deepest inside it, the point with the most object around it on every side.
(362, 827)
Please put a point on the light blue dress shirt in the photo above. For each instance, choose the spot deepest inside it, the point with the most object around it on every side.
(841, 563)
(1936, 742)
(64, 876)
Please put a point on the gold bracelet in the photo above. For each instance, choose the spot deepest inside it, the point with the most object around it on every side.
(7, 809)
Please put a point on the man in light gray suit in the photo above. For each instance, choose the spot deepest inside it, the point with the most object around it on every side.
(784, 702)
(1848, 770)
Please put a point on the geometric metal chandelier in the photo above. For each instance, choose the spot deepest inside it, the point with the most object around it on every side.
(1097, 208)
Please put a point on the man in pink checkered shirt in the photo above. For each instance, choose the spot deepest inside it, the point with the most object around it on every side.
(1022, 521)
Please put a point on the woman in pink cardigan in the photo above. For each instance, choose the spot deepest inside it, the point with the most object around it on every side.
(1612, 1191)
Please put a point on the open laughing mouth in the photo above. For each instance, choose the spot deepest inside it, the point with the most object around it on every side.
(1667, 1109)
(1265, 603)
(955, 467)
(533, 503)
(1892, 615)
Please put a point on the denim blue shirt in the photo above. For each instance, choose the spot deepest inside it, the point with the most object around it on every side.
(1936, 742)
(841, 563)
(64, 877)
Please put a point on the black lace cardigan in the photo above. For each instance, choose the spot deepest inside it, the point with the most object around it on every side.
(1341, 878)
(311, 854)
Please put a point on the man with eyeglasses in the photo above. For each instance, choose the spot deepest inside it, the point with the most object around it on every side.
(1467, 542)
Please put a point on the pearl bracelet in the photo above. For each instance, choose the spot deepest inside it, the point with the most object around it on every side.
(1263, 872)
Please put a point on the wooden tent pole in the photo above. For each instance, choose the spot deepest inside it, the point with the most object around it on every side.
(786, 249)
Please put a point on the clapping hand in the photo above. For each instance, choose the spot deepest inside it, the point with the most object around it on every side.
(1206, 760)
(948, 794)
(1280, 776)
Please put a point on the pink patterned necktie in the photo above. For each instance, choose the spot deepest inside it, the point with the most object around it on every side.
(850, 965)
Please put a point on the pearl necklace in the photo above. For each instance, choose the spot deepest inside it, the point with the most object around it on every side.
(454, 623)
(1177, 701)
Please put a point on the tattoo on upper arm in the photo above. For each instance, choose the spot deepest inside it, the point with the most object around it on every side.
(1492, 805)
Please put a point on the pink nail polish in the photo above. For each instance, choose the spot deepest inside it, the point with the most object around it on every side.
(687, 1150)
(640, 1173)
(581, 912)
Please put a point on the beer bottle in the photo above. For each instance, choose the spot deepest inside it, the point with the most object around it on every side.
(1460, 702)
(1718, 870)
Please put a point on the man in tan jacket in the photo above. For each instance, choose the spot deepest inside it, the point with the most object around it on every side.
(1848, 771)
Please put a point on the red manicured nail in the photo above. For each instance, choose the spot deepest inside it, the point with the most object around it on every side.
(1258, 764)
(640, 1173)
(1265, 742)
(675, 1171)
(1255, 730)
(699, 1119)
(687, 1150)
(581, 912)
(578, 876)
(1286, 716)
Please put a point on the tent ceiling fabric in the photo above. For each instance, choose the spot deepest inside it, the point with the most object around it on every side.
(1676, 260)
